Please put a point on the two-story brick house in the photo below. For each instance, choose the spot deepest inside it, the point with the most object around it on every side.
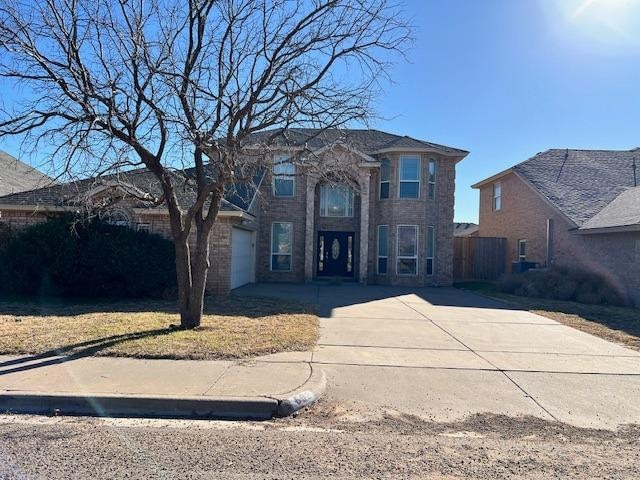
(380, 211)
(575, 208)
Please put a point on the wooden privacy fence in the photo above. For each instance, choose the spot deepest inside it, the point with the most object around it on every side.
(478, 258)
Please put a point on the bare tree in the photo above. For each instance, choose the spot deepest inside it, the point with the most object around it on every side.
(168, 84)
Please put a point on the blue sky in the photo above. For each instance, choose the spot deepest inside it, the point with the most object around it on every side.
(506, 79)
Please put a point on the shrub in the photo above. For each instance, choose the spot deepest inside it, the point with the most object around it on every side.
(93, 259)
(560, 283)
(509, 283)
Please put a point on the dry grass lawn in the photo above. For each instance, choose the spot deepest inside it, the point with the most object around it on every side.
(617, 324)
(232, 327)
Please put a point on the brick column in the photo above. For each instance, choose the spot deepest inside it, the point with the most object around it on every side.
(309, 240)
(363, 180)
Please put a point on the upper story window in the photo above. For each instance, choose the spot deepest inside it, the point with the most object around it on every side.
(432, 179)
(409, 177)
(385, 178)
(336, 201)
(283, 176)
(497, 196)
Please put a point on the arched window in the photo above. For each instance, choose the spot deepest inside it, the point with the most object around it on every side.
(336, 201)
(118, 217)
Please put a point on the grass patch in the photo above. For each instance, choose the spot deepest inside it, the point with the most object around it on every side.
(617, 324)
(232, 327)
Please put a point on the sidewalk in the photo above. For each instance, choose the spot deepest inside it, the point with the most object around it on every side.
(260, 388)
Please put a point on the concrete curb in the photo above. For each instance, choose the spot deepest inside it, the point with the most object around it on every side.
(236, 408)
(116, 405)
(304, 396)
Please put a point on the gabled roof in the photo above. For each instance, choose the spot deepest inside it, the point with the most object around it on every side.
(579, 183)
(16, 176)
(623, 211)
(367, 141)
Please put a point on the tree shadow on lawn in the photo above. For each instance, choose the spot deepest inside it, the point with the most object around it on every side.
(75, 351)
(252, 307)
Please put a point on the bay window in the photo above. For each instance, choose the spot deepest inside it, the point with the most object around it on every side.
(383, 249)
(409, 177)
(385, 177)
(407, 250)
(430, 249)
(431, 187)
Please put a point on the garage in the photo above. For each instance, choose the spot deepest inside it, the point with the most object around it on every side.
(242, 257)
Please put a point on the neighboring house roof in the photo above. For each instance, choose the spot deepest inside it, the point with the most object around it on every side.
(137, 183)
(367, 141)
(16, 176)
(579, 183)
(464, 229)
(623, 211)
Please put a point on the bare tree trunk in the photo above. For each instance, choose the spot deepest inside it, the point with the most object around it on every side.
(191, 316)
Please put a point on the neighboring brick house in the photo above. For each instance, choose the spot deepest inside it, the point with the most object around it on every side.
(577, 208)
(380, 212)
(17, 176)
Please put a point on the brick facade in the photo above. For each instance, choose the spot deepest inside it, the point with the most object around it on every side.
(303, 211)
(218, 280)
(525, 214)
(393, 211)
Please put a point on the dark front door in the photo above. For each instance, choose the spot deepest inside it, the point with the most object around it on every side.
(335, 254)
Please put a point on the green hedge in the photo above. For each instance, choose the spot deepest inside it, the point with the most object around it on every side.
(560, 283)
(87, 259)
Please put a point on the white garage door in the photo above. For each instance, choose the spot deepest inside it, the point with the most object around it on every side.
(241, 257)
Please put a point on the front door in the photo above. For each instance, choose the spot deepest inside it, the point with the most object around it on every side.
(335, 254)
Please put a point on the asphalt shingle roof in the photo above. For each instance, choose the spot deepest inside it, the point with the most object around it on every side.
(623, 211)
(238, 196)
(366, 141)
(16, 176)
(462, 229)
(580, 183)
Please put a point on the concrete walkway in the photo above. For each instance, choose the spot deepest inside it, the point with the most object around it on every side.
(444, 353)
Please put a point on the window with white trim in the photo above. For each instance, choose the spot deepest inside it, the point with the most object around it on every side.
(385, 178)
(281, 246)
(336, 201)
(522, 250)
(383, 249)
(407, 250)
(431, 248)
(144, 227)
(409, 177)
(497, 196)
(431, 186)
(283, 176)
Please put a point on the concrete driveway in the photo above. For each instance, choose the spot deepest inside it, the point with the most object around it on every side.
(443, 354)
